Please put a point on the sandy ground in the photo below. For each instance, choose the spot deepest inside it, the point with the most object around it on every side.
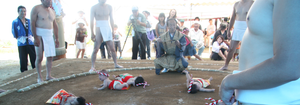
(165, 89)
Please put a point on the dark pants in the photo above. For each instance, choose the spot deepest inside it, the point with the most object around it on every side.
(102, 51)
(135, 45)
(148, 48)
(23, 55)
(216, 56)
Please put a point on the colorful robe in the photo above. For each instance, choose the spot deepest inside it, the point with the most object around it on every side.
(169, 55)
(19, 32)
(125, 77)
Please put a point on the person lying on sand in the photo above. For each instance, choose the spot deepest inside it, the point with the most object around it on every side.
(131, 80)
(111, 84)
(195, 84)
(64, 98)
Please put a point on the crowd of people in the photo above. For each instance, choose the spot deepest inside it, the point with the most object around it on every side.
(258, 25)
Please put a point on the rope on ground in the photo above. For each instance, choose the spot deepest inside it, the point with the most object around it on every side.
(7, 92)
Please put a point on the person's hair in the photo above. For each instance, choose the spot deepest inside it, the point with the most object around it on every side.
(20, 7)
(162, 15)
(225, 19)
(209, 19)
(220, 36)
(197, 24)
(147, 12)
(169, 20)
(175, 16)
(197, 18)
(223, 26)
(80, 23)
(194, 89)
(81, 100)
(103, 71)
(81, 12)
(115, 26)
(139, 79)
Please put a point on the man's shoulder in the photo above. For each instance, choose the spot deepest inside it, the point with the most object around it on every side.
(37, 7)
(16, 20)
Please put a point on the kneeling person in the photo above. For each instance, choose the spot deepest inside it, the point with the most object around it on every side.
(170, 47)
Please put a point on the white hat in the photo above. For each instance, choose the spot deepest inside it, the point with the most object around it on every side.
(135, 8)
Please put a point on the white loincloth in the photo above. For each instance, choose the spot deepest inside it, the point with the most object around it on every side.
(48, 41)
(239, 30)
(80, 45)
(105, 29)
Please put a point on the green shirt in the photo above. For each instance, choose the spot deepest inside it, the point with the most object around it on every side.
(138, 27)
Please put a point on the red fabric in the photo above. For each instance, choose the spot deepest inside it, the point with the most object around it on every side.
(111, 85)
(126, 78)
(187, 41)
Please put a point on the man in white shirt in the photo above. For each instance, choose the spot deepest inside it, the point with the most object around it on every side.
(196, 36)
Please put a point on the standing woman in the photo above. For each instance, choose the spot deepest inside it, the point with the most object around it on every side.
(173, 15)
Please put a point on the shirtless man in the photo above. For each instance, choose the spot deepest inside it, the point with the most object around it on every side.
(43, 25)
(104, 31)
(269, 57)
(238, 19)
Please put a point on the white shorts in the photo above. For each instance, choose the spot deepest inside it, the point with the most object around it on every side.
(80, 45)
(105, 29)
(239, 30)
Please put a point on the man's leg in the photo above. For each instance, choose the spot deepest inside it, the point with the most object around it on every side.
(32, 55)
(48, 68)
(135, 47)
(23, 58)
(97, 44)
(148, 47)
(108, 51)
(143, 47)
(39, 58)
(102, 51)
(200, 50)
(110, 45)
(233, 45)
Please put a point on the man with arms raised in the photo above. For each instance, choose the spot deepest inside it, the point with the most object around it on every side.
(269, 57)
(42, 25)
(104, 30)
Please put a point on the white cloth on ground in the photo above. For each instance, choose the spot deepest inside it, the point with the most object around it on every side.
(48, 41)
(239, 30)
(80, 45)
(105, 29)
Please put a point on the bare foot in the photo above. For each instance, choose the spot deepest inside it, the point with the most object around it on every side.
(40, 80)
(118, 66)
(211, 78)
(2, 90)
(92, 69)
(223, 68)
(49, 78)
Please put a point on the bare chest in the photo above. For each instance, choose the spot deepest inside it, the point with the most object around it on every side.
(46, 15)
(102, 11)
(242, 9)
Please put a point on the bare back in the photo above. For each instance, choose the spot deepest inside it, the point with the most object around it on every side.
(241, 9)
(44, 17)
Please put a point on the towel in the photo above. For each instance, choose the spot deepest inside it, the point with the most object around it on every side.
(239, 30)
(48, 41)
(105, 29)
